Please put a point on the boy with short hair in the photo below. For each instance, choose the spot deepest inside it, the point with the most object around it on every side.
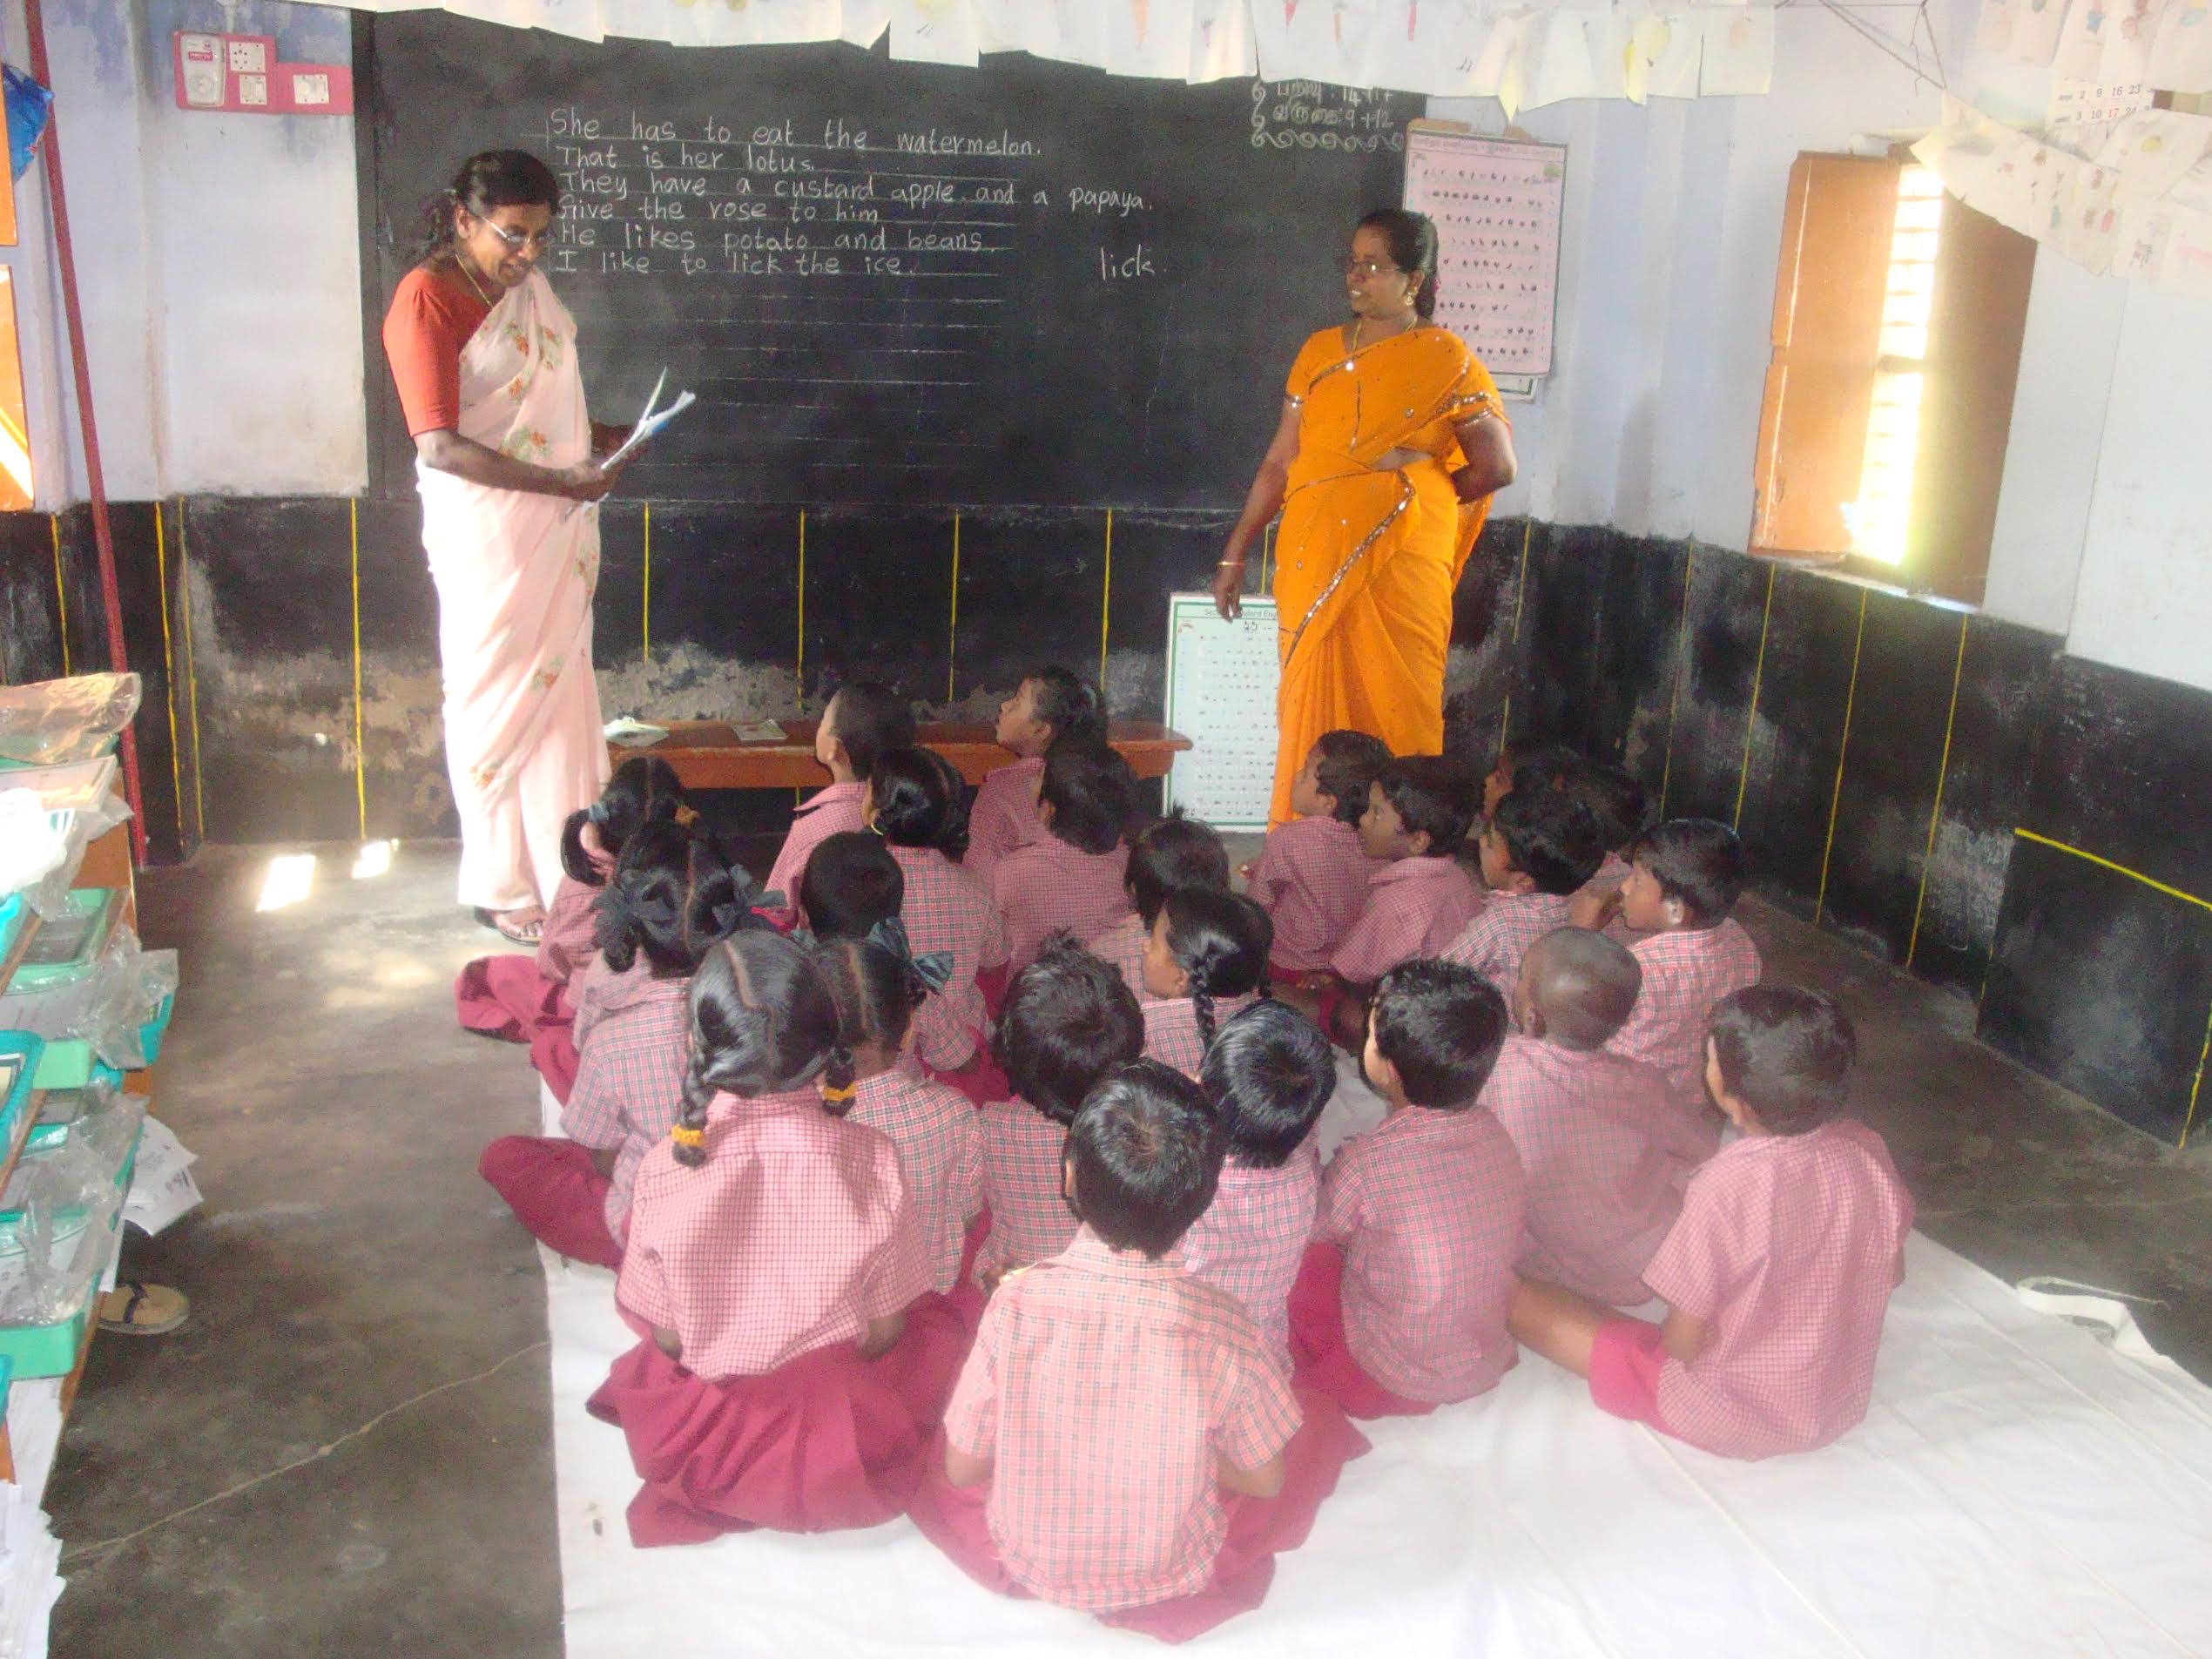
(1778, 1272)
(1419, 812)
(1543, 764)
(1538, 849)
(1167, 854)
(1312, 872)
(1400, 1306)
(1606, 1148)
(1051, 704)
(1268, 1074)
(1623, 812)
(1068, 1020)
(1119, 1441)
(864, 720)
(1072, 877)
(1687, 876)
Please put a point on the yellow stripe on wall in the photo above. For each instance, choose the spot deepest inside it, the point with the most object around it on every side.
(61, 592)
(169, 666)
(1106, 600)
(1935, 812)
(952, 628)
(1519, 594)
(361, 765)
(1751, 719)
(1843, 753)
(1682, 671)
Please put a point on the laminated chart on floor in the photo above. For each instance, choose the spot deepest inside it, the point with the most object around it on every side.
(1222, 678)
(1497, 205)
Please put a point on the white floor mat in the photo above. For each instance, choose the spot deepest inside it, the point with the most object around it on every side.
(2017, 1488)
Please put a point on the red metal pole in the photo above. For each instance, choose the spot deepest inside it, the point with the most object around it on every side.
(95, 487)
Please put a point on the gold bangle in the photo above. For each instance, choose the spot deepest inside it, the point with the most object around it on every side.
(1230, 564)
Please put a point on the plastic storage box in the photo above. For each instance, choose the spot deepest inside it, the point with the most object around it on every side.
(50, 1350)
(20, 1053)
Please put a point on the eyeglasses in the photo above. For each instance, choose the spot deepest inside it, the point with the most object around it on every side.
(517, 240)
(1364, 269)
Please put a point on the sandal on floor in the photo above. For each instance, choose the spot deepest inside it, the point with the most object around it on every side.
(133, 1309)
(516, 933)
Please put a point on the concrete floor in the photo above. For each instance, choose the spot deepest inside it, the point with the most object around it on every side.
(349, 1449)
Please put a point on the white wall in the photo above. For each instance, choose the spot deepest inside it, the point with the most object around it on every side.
(217, 260)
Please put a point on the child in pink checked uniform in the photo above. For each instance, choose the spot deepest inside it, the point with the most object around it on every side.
(1050, 705)
(1778, 1271)
(863, 720)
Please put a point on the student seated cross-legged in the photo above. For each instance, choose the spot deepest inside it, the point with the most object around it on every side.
(1686, 878)
(1400, 1306)
(1068, 1020)
(1778, 1271)
(1312, 872)
(1073, 876)
(1166, 855)
(530, 999)
(794, 1362)
(1052, 705)
(1206, 961)
(1121, 1441)
(1539, 847)
(673, 895)
(864, 720)
(1606, 1147)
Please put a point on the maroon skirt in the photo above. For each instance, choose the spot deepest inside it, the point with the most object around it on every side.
(506, 997)
(953, 1517)
(826, 1441)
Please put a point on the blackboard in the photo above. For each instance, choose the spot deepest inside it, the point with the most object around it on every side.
(1029, 283)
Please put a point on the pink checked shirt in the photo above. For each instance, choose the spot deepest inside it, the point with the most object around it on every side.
(822, 814)
(568, 941)
(1789, 1246)
(793, 1234)
(597, 986)
(941, 1152)
(1311, 879)
(1122, 947)
(630, 1080)
(948, 908)
(1685, 975)
(1253, 1236)
(1004, 815)
(1606, 1149)
(1103, 1385)
(1021, 1154)
(1171, 1034)
(1415, 907)
(1048, 884)
(1494, 943)
(1427, 1209)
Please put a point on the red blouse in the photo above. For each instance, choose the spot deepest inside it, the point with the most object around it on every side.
(428, 323)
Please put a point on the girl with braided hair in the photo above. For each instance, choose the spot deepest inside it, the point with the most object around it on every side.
(519, 998)
(1205, 962)
(878, 991)
(673, 894)
(794, 1361)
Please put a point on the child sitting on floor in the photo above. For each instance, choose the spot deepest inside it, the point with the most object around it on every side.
(1623, 814)
(876, 988)
(914, 801)
(672, 895)
(1605, 1146)
(1545, 764)
(1167, 853)
(1312, 872)
(1068, 1019)
(1418, 900)
(1401, 1304)
(1687, 876)
(1120, 1442)
(862, 722)
(1205, 961)
(1050, 705)
(1539, 848)
(1268, 1073)
(849, 885)
(1073, 875)
(514, 998)
(1778, 1272)
(795, 1363)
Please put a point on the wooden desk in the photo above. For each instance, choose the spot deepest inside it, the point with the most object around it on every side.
(707, 754)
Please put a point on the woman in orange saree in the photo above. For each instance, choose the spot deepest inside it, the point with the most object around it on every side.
(1391, 444)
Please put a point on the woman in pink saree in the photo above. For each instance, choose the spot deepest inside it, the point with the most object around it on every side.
(484, 356)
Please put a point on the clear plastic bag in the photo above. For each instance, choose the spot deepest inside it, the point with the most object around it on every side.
(109, 1007)
(42, 850)
(51, 722)
(68, 1200)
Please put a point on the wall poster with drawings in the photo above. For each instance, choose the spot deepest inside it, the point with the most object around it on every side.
(1496, 203)
(1221, 695)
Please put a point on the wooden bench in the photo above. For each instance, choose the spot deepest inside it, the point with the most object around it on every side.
(708, 754)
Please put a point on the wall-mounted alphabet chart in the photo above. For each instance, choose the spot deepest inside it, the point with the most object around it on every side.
(1221, 695)
(1496, 205)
